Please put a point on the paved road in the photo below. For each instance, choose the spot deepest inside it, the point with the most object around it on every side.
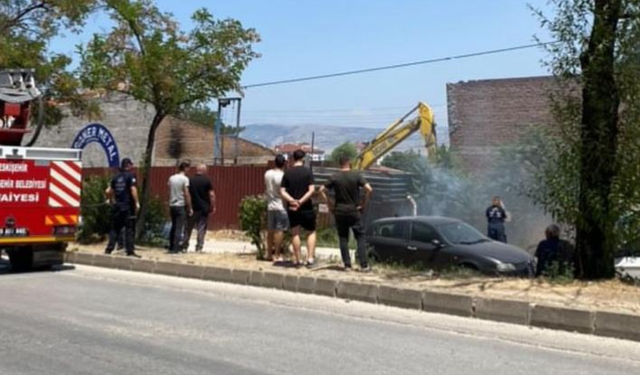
(95, 321)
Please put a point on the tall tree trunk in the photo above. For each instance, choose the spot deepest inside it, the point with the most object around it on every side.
(146, 184)
(598, 137)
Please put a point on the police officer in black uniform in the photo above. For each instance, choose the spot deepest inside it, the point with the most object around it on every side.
(496, 216)
(123, 192)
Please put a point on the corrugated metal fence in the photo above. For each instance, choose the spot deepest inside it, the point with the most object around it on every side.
(231, 183)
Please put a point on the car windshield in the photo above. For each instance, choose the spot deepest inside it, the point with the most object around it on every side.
(461, 234)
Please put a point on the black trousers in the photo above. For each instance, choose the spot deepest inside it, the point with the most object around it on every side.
(122, 219)
(178, 221)
(352, 221)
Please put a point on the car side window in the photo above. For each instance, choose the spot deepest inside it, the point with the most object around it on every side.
(391, 230)
(421, 232)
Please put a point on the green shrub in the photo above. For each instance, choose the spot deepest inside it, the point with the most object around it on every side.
(253, 212)
(328, 237)
(96, 214)
(155, 222)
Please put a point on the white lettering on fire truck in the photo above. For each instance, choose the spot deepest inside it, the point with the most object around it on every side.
(31, 184)
(19, 198)
(14, 168)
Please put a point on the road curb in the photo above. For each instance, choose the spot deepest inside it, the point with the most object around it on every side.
(357, 291)
(617, 325)
(400, 297)
(573, 320)
(452, 304)
(516, 312)
(601, 323)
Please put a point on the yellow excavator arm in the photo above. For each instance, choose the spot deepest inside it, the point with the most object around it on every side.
(398, 132)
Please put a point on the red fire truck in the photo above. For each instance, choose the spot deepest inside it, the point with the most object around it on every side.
(39, 187)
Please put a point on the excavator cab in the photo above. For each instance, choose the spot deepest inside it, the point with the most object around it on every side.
(17, 93)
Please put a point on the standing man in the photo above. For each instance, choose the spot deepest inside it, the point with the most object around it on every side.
(296, 190)
(203, 198)
(496, 216)
(123, 192)
(179, 206)
(347, 209)
(277, 220)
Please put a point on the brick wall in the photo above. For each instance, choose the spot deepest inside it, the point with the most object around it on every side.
(197, 144)
(486, 114)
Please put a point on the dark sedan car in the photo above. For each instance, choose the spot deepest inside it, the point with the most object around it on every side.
(440, 242)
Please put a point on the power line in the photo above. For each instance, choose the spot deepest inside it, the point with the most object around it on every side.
(397, 66)
(349, 110)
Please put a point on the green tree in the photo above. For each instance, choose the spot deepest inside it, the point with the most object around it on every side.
(413, 161)
(591, 177)
(407, 161)
(26, 28)
(147, 56)
(346, 149)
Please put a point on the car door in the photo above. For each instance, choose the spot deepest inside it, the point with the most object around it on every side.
(423, 250)
(390, 241)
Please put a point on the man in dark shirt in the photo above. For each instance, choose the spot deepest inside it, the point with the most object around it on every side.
(347, 208)
(124, 195)
(203, 200)
(554, 250)
(496, 216)
(297, 189)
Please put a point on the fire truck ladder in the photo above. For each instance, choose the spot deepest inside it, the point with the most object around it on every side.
(17, 92)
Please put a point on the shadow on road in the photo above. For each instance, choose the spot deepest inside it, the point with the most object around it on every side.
(5, 268)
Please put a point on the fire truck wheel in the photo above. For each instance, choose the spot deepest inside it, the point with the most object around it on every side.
(21, 260)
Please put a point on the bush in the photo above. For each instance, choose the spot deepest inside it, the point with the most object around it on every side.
(155, 222)
(328, 237)
(253, 212)
(96, 214)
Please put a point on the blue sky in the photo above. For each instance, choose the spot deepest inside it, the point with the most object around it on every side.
(302, 38)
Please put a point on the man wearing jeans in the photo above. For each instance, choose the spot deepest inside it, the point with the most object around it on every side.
(347, 209)
(179, 206)
(204, 203)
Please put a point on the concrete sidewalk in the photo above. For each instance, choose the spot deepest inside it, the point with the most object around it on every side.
(240, 247)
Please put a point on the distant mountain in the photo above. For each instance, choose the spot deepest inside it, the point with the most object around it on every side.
(326, 137)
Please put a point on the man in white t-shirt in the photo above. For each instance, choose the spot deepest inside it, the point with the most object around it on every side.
(179, 207)
(277, 220)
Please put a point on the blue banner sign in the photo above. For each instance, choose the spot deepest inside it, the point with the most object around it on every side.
(100, 134)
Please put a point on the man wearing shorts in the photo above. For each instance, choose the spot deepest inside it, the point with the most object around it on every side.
(277, 220)
(296, 190)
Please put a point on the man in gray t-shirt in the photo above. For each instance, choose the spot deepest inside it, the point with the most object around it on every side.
(277, 220)
(179, 207)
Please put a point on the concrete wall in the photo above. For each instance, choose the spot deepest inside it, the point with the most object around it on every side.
(129, 121)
